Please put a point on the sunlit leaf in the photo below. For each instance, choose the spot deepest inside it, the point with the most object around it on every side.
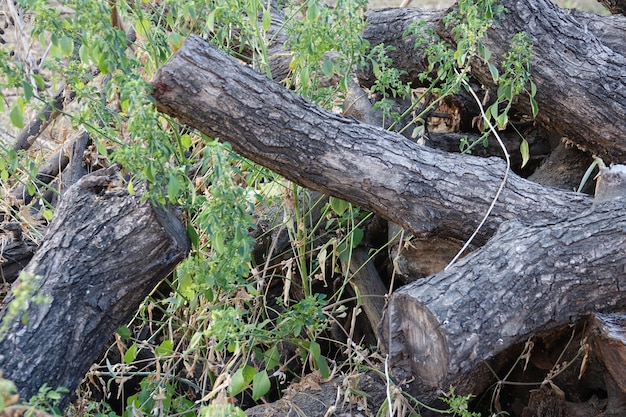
(267, 20)
(143, 27)
(131, 354)
(338, 205)
(525, 151)
(165, 348)
(313, 11)
(66, 44)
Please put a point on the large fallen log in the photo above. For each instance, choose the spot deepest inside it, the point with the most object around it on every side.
(551, 265)
(424, 190)
(527, 280)
(578, 65)
(104, 251)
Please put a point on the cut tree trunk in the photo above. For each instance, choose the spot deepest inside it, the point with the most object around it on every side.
(578, 66)
(557, 261)
(527, 280)
(103, 253)
(421, 189)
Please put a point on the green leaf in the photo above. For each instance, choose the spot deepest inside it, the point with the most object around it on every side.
(48, 214)
(502, 120)
(210, 21)
(67, 45)
(143, 27)
(328, 67)
(102, 148)
(533, 89)
(338, 205)
(148, 171)
(165, 348)
(534, 106)
(83, 53)
(525, 151)
(320, 361)
(124, 332)
(17, 113)
(267, 20)
(193, 236)
(506, 91)
(312, 12)
(131, 354)
(185, 140)
(173, 187)
(175, 40)
(195, 339)
(39, 81)
(272, 358)
(28, 90)
(494, 72)
(241, 379)
(357, 237)
(260, 385)
(130, 188)
(493, 109)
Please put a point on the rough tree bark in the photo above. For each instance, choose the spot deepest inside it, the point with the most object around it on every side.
(553, 264)
(422, 189)
(103, 253)
(578, 64)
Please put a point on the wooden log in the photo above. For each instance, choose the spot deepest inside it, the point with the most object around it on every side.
(610, 340)
(423, 190)
(577, 65)
(16, 250)
(526, 280)
(104, 251)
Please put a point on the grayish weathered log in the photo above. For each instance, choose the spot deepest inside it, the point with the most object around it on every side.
(527, 280)
(578, 66)
(424, 190)
(103, 253)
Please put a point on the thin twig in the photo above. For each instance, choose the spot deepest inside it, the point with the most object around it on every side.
(502, 183)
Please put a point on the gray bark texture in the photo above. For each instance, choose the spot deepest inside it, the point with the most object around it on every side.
(526, 281)
(554, 260)
(578, 66)
(424, 190)
(103, 253)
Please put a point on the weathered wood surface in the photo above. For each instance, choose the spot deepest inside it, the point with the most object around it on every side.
(555, 262)
(424, 190)
(103, 253)
(526, 280)
(610, 341)
(16, 250)
(578, 66)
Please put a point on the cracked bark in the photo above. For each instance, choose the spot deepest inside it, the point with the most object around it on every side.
(103, 253)
(578, 66)
(553, 262)
(424, 190)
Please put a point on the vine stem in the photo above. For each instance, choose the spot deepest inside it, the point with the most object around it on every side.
(502, 183)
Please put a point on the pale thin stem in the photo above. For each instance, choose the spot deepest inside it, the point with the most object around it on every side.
(502, 183)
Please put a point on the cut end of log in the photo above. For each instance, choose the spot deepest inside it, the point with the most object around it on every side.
(610, 331)
(611, 184)
(412, 337)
